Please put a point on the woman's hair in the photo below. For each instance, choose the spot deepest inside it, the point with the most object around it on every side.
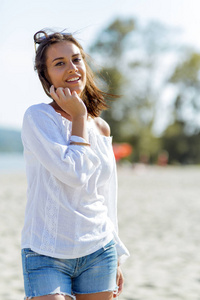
(92, 96)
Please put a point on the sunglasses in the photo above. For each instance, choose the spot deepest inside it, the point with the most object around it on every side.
(42, 36)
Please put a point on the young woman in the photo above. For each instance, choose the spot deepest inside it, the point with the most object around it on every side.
(70, 243)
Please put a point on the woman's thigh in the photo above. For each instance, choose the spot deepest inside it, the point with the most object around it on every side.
(96, 296)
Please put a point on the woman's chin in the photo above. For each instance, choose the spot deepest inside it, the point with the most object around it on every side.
(78, 91)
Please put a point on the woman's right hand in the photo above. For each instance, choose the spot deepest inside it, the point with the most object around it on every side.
(73, 105)
(69, 102)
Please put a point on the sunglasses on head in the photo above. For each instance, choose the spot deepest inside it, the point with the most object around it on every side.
(41, 36)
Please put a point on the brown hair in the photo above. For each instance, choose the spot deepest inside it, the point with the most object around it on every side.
(92, 96)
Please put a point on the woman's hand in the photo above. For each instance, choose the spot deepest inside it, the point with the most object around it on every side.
(71, 103)
(120, 282)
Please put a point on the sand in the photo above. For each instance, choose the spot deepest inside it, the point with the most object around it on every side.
(159, 220)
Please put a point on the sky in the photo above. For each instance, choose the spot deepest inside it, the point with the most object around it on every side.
(20, 19)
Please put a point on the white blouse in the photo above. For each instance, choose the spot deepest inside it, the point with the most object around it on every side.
(71, 206)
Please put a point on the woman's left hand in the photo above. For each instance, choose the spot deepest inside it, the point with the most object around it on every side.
(120, 282)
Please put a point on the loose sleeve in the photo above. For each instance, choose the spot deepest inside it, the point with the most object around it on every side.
(42, 137)
(122, 251)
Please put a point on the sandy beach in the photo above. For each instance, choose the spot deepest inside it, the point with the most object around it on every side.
(159, 221)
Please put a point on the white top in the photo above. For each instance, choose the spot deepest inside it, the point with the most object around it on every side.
(71, 208)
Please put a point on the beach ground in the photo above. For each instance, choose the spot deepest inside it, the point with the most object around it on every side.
(159, 222)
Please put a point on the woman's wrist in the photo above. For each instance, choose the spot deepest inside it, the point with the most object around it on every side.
(79, 127)
(79, 118)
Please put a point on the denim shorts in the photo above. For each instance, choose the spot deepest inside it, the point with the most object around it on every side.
(93, 273)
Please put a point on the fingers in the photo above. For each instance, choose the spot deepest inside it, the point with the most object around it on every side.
(63, 93)
(74, 93)
(120, 285)
(59, 93)
(62, 90)
(56, 94)
(53, 93)
(68, 101)
(120, 282)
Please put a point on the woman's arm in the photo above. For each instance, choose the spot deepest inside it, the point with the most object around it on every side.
(42, 137)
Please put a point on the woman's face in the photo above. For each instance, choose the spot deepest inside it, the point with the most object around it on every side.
(65, 66)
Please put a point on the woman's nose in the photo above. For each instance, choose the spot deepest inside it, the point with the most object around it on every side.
(72, 68)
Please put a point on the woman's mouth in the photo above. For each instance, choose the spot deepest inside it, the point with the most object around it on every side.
(74, 79)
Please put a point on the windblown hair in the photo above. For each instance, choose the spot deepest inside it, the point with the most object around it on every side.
(92, 96)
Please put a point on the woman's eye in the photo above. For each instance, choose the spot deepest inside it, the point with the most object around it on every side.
(77, 59)
(60, 63)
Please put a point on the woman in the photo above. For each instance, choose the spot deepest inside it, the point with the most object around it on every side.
(70, 245)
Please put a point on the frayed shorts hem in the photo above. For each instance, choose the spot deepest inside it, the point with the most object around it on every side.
(64, 294)
(96, 292)
(73, 296)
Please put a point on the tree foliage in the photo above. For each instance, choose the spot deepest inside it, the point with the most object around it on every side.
(140, 63)
(186, 78)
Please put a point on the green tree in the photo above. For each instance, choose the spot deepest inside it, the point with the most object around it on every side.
(141, 63)
(129, 57)
(182, 138)
(109, 49)
(182, 148)
(186, 78)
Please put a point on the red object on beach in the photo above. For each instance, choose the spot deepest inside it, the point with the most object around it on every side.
(122, 150)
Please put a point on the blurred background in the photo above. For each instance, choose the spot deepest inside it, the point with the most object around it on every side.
(147, 51)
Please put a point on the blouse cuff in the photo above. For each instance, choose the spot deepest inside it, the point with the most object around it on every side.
(77, 139)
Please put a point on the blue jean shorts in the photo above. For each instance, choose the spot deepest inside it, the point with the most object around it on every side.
(93, 273)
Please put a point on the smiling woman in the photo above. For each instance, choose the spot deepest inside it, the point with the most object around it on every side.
(65, 67)
(70, 235)
(92, 96)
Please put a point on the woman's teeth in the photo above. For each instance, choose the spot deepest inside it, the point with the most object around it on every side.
(73, 79)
